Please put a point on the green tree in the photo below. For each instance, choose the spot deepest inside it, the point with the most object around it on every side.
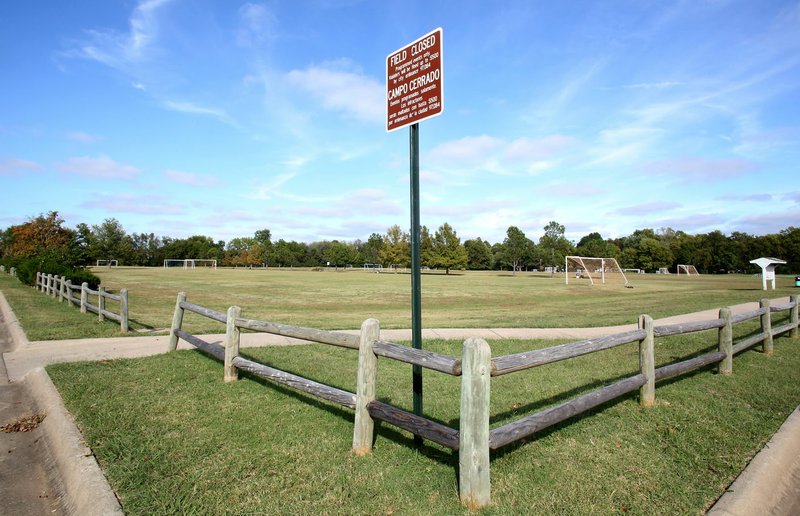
(517, 249)
(396, 249)
(479, 254)
(554, 246)
(111, 242)
(447, 251)
(372, 248)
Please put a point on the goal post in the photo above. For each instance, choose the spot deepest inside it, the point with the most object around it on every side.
(107, 263)
(595, 269)
(190, 263)
(688, 270)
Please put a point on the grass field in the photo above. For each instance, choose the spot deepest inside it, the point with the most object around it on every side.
(342, 300)
(172, 437)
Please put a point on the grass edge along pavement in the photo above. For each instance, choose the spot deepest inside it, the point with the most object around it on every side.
(677, 457)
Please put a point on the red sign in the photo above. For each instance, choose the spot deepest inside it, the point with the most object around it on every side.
(415, 82)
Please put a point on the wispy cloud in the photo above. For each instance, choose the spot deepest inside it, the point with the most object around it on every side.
(257, 24)
(647, 208)
(746, 197)
(499, 156)
(101, 167)
(15, 166)
(121, 49)
(81, 137)
(190, 179)
(129, 203)
(342, 87)
(269, 189)
(692, 170)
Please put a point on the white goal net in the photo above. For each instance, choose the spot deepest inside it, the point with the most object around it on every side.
(107, 263)
(596, 270)
(190, 263)
(688, 270)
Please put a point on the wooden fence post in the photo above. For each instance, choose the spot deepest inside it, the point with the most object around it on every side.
(101, 303)
(725, 342)
(49, 284)
(473, 451)
(177, 322)
(84, 296)
(123, 310)
(231, 374)
(62, 291)
(647, 362)
(364, 426)
(766, 328)
(793, 316)
(38, 285)
(68, 285)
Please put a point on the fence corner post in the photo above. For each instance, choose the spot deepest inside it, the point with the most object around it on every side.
(473, 451)
(647, 362)
(123, 310)
(84, 296)
(766, 327)
(364, 426)
(793, 316)
(101, 303)
(725, 342)
(232, 335)
(177, 322)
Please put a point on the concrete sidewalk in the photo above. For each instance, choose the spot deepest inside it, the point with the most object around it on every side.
(30, 355)
(769, 485)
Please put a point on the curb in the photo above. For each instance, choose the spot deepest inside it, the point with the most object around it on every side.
(85, 487)
(770, 480)
(14, 327)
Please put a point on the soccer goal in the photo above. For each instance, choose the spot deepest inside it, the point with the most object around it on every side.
(689, 270)
(191, 263)
(602, 270)
(107, 263)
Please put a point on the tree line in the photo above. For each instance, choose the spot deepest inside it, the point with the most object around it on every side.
(46, 237)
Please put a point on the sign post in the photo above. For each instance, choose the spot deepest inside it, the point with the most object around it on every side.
(414, 92)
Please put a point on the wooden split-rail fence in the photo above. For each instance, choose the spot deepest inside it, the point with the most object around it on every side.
(11, 270)
(474, 440)
(78, 295)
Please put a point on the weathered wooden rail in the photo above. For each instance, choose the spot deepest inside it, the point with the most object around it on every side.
(474, 440)
(61, 288)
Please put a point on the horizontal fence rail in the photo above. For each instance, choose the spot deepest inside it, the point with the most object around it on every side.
(62, 289)
(520, 361)
(474, 440)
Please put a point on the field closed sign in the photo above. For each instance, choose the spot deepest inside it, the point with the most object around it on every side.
(414, 82)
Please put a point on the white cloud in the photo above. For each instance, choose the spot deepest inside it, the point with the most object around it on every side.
(81, 137)
(256, 24)
(701, 169)
(129, 203)
(648, 208)
(340, 86)
(121, 49)
(269, 189)
(498, 156)
(16, 166)
(190, 179)
(101, 167)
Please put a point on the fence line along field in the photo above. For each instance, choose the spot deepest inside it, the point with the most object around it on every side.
(494, 299)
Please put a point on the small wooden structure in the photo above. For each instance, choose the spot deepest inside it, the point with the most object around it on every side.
(768, 269)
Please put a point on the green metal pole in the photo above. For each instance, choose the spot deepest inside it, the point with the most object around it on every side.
(416, 288)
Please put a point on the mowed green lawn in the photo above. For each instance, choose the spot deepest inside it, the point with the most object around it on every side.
(342, 300)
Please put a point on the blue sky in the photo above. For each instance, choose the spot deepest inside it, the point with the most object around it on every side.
(184, 117)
